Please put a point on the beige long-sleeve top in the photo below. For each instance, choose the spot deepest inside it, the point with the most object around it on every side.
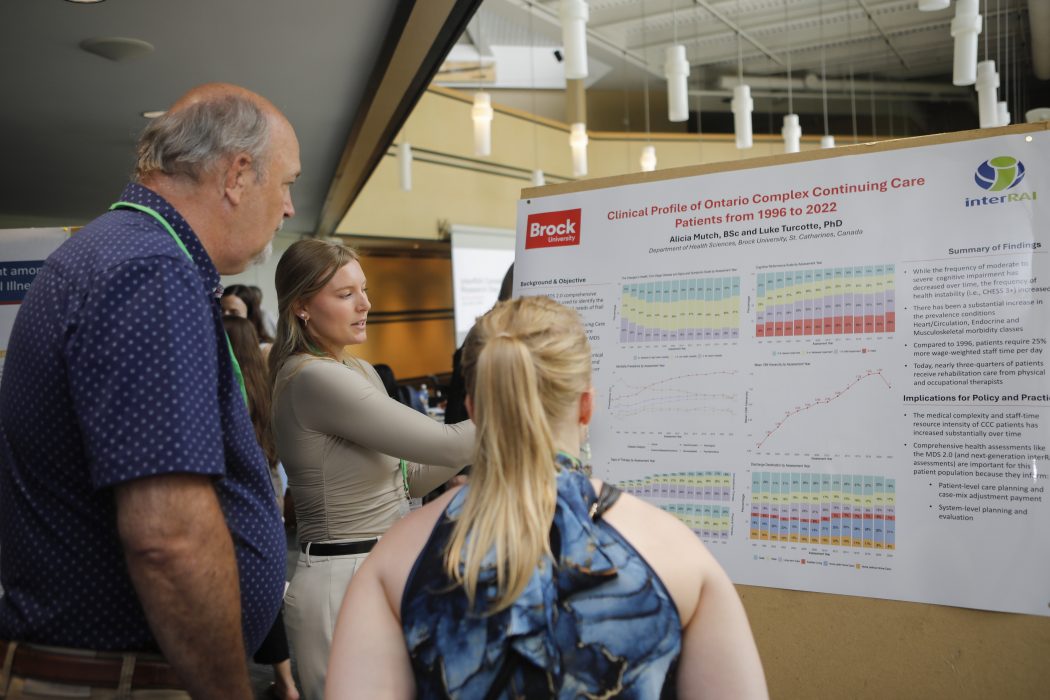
(341, 439)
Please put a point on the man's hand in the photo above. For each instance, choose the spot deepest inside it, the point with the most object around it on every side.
(181, 560)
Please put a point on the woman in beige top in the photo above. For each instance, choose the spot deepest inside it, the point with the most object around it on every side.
(353, 455)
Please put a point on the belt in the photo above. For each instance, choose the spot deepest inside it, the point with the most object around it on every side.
(338, 549)
(96, 671)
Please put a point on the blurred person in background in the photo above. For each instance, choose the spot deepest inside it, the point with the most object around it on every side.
(245, 345)
(246, 302)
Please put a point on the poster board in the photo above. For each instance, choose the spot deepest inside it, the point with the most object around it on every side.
(706, 293)
(480, 258)
(22, 253)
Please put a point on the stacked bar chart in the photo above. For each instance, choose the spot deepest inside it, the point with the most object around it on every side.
(694, 486)
(677, 310)
(710, 523)
(839, 510)
(825, 301)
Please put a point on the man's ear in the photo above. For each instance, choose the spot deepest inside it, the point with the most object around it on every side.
(237, 177)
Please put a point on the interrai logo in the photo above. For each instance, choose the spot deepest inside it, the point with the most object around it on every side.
(999, 173)
(555, 228)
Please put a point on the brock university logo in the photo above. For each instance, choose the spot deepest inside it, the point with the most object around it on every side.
(555, 228)
(999, 173)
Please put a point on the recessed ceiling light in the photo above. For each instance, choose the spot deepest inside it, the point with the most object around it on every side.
(85, 2)
(153, 114)
(117, 48)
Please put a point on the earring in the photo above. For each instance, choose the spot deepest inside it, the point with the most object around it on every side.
(585, 450)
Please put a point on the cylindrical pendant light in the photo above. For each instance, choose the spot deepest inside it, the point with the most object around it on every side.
(481, 113)
(574, 16)
(933, 5)
(578, 143)
(987, 94)
(1037, 114)
(648, 159)
(965, 27)
(827, 141)
(1002, 114)
(404, 165)
(742, 106)
(792, 130)
(538, 180)
(792, 133)
(676, 70)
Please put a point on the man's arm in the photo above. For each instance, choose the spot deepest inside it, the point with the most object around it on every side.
(181, 560)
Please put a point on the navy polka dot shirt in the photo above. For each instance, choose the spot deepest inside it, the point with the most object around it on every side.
(117, 369)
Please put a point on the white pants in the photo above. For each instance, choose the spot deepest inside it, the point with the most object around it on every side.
(311, 607)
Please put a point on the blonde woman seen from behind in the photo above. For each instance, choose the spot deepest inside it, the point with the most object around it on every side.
(534, 580)
(353, 455)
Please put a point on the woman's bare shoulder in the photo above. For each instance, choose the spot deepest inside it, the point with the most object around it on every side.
(396, 553)
(673, 551)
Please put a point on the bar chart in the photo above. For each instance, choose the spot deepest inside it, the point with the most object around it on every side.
(838, 510)
(687, 485)
(680, 310)
(711, 523)
(825, 301)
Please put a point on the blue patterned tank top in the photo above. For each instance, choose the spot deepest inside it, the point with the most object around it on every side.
(599, 623)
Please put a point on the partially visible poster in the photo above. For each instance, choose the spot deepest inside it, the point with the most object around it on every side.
(833, 371)
(22, 254)
(480, 258)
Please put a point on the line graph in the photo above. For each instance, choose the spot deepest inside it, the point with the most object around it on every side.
(709, 400)
(835, 421)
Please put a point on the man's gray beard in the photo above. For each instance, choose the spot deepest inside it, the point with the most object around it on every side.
(263, 256)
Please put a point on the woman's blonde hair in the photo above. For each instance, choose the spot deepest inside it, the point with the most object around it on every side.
(303, 270)
(525, 364)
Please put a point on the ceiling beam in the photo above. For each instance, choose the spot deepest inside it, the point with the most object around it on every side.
(422, 35)
(741, 33)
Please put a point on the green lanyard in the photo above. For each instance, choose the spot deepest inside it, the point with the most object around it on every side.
(404, 479)
(237, 374)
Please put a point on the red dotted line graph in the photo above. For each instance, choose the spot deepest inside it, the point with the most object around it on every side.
(823, 401)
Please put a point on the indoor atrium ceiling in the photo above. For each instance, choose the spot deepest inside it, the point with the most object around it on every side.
(878, 54)
(346, 73)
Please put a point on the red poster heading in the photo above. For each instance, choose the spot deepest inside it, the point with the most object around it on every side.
(556, 228)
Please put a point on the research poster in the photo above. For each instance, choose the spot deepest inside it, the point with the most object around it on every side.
(833, 371)
(22, 254)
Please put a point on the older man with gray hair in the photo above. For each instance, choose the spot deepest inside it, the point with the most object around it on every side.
(143, 555)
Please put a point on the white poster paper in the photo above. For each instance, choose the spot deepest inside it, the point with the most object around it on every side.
(480, 258)
(833, 371)
(22, 254)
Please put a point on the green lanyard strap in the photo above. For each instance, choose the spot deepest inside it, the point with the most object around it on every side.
(237, 374)
(404, 479)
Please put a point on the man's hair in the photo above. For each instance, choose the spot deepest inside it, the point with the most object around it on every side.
(191, 140)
